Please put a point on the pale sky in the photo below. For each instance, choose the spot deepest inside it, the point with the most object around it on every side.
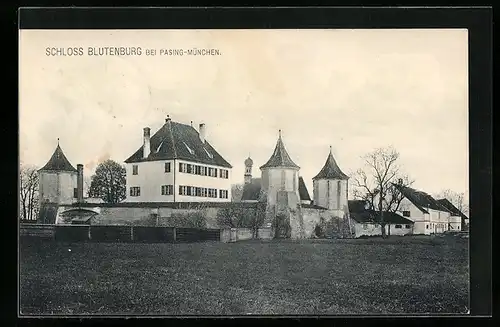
(355, 90)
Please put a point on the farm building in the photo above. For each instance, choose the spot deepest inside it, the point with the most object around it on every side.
(366, 222)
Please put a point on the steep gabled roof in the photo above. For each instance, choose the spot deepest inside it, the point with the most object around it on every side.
(420, 199)
(454, 210)
(303, 193)
(358, 212)
(179, 141)
(331, 170)
(58, 162)
(251, 191)
(280, 157)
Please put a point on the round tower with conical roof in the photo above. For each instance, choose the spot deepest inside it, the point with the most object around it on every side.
(58, 179)
(331, 187)
(280, 173)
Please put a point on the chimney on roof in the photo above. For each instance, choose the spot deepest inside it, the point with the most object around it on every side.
(146, 149)
(79, 183)
(202, 132)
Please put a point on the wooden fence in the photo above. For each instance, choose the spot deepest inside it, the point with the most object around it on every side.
(112, 233)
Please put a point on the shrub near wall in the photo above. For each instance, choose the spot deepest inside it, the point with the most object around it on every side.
(194, 219)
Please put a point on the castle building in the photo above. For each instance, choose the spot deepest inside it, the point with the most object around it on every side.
(177, 164)
(58, 179)
(330, 187)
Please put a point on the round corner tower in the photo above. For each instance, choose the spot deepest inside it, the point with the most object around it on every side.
(331, 187)
(280, 174)
(57, 180)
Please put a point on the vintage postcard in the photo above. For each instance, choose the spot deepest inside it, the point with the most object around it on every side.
(243, 172)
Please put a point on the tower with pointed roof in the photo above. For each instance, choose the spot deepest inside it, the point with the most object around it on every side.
(280, 189)
(248, 170)
(331, 187)
(58, 179)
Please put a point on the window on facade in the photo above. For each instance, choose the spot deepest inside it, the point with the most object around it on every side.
(75, 192)
(212, 172)
(365, 226)
(167, 167)
(190, 169)
(407, 226)
(197, 170)
(204, 192)
(224, 173)
(197, 191)
(406, 214)
(135, 191)
(167, 189)
(426, 226)
(204, 171)
(135, 170)
(458, 227)
(223, 194)
(212, 193)
(398, 226)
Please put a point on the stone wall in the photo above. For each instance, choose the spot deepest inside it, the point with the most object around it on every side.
(304, 219)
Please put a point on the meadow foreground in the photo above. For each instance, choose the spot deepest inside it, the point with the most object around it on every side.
(399, 275)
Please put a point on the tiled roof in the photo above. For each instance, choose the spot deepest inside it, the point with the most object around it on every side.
(280, 157)
(454, 210)
(358, 212)
(331, 170)
(179, 141)
(420, 199)
(58, 162)
(304, 194)
(251, 191)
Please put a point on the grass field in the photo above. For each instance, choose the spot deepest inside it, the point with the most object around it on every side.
(370, 276)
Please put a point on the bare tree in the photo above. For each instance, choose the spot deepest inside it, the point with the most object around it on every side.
(87, 181)
(457, 199)
(28, 192)
(373, 182)
(236, 192)
(236, 216)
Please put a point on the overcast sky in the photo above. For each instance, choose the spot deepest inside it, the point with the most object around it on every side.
(355, 90)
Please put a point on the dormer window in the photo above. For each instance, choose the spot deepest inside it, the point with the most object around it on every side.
(189, 149)
(159, 147)
(211, 156)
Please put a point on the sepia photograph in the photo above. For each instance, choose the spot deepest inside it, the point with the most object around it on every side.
(243, 172)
